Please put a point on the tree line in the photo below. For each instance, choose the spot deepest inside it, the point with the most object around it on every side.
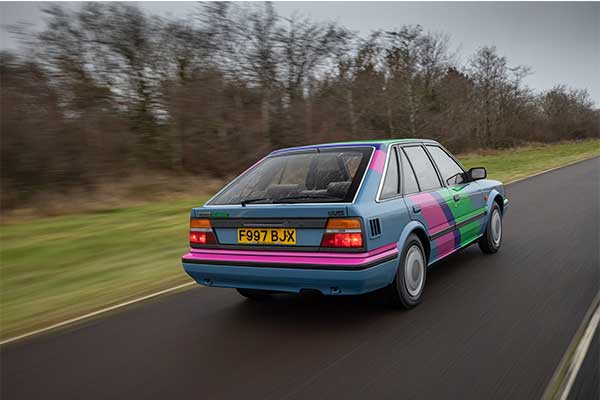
(106, 89)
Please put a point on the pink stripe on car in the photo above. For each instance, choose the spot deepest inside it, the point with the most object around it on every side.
(286, 257)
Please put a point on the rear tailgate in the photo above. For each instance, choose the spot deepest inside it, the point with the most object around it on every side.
(307, 221)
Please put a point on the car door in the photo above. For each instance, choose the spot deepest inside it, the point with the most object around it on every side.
(428, 200)
(467, 204)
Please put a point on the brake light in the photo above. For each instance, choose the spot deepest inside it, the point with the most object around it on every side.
(343, 233)
(342, 240)
(202, 238)
(201, 232)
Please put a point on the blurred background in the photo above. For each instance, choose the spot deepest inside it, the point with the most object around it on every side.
(99, 98)
(117, 118)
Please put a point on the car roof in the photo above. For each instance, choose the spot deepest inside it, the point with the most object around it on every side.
(374, 143)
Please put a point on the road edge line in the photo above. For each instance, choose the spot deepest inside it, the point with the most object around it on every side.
(559, 386)
(165, 291)
(94, 313)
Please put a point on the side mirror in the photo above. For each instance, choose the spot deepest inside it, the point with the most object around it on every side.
(477, 173)
(457, 179)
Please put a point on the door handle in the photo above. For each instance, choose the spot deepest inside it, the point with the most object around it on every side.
(456, 197)
(416, 209)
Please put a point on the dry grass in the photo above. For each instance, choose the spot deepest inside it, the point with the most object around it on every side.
(135, 190)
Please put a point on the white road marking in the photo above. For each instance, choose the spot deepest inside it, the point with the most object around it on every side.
(580, 353)
(92, 314)
(561, 383)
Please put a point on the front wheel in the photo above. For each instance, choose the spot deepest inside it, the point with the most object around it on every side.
(492, 238)
(407, 288)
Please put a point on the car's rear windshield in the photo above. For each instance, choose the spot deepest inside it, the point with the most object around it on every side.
(329, 175)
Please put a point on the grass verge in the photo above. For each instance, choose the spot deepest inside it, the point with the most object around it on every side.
(509, 165)
(57, 268)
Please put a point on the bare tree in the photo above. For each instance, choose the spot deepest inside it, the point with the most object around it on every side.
(496, 85)
(568, 113)
(107, 89)
(306, 46)
(260, 57)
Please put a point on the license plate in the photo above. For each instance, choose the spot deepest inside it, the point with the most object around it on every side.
(266, 236)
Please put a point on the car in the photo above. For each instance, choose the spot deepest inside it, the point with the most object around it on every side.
(344, 219)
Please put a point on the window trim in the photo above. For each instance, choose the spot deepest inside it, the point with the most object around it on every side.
(393, 149)
(400, 147)
(378, 198)
(414, 174)
(437, 167)
(400, 193)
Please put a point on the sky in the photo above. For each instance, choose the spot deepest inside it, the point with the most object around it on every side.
(559, 41)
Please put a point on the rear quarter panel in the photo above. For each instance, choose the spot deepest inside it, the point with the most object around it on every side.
(393, 217)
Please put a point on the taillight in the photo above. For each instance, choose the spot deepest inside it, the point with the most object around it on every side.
(201, 232)
(343, 232)
(342, 240)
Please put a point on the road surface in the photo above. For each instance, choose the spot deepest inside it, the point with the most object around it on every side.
(490, 327)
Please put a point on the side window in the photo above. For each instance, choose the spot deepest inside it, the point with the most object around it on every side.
(447, 166)
(391, 183)
(408, 176)
(426, 175)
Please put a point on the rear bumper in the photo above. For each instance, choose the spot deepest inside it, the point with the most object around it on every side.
(336, 274)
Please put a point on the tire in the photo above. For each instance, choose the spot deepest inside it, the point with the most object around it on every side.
(255, 294)
(491, 240)
(407, 288)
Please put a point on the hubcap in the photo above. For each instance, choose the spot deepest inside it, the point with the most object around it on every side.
(414, 270)
(496, 227)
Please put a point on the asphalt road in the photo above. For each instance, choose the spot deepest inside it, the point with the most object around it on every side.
(490, 327)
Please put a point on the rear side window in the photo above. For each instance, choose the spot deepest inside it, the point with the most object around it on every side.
(424, 169)
(391, 185)
(408, 176)
(447, 166)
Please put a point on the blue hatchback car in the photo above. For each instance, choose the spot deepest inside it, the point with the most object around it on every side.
(344, 219)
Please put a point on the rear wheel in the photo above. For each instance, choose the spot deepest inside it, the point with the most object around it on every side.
(255, 294)
(492, 238)
(407, 288)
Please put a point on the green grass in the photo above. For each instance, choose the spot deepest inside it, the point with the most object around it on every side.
(56, 268)
(508, 165)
